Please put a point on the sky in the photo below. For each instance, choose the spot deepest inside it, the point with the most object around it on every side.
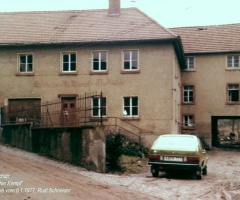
(169, 13)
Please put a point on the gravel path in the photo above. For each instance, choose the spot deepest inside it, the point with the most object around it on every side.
(222, 181)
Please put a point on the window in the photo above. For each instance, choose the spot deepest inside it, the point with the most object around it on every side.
(188, 120)
(130, 60)
(188, 96)
(25, 63)
(99, 61)
(69, 62)
(97, 104)
(130, 106)
(190, 62)
(233, 93)
(232, 61)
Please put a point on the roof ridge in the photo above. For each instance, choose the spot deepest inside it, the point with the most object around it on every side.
(166, 29)
(214, 25)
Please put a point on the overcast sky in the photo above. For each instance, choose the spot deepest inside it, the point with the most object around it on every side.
(169, 13)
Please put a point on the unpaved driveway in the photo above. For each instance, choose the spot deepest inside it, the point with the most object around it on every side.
(29, 176)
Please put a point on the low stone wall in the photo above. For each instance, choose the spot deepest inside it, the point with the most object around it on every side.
(81, 146)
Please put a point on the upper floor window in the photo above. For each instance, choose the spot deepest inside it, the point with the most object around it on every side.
(99, 106)
(190, 62)
(69, 62)
(188, 94)
(232, 61)
(99, 61)
(233, 92)
(130, 106)
(130, 59)
(25, 63)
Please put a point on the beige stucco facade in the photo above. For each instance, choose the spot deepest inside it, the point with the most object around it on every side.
(156, 84)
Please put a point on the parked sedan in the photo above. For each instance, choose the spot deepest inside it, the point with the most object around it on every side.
(176, 153)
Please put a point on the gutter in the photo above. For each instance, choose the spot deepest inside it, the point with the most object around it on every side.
(178, 47)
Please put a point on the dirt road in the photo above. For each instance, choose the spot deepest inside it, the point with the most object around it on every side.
(27, 176)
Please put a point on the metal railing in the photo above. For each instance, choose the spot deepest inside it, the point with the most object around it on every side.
(58, 113)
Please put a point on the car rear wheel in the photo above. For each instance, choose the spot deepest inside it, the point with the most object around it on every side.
(155, 172)
(204, 171)
(199, 173)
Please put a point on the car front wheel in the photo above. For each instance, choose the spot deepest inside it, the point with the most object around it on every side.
(204, 172)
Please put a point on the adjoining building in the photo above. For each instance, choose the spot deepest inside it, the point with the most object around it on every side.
(210, 83)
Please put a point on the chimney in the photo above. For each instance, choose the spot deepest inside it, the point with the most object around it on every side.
(114, 8)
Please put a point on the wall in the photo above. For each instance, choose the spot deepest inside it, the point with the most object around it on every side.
(81, 146)
(153, 84)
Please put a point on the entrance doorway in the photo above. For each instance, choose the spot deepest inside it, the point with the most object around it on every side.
(225, 130)
(68, 116)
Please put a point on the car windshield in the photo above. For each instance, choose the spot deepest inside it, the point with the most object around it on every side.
(177, 141)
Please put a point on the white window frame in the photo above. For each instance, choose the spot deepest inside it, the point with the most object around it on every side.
(190, 63)
(99, 61)
(131, 60)
(69, 62)
(231, 88)
(188, 120)
(232, 60)
(99, 106)
(131, 106)
(26, 63)
(188, 91)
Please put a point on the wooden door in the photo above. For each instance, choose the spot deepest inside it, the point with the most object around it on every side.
(68, 117)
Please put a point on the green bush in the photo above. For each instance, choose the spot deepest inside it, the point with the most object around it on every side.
(117, 145)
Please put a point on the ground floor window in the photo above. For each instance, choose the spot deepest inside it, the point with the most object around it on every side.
(130, 106)
(99, 106)
(188, 120)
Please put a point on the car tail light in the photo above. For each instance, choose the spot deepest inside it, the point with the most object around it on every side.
(154, 157)
(192, 159)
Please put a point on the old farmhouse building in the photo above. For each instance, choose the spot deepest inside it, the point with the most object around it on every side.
(159, 80)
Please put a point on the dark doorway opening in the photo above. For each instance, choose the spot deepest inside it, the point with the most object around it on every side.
(225, 131)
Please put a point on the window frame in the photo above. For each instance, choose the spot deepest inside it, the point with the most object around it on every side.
(184, 122)
(232, 62)
(69, 62)
(99, 61)
(131, 115)
(193, 96)
(130, 70)
(188, 63)
(26, 64)
(99, 107)
(227, 93)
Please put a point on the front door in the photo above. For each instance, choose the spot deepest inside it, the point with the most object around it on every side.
(68, 117)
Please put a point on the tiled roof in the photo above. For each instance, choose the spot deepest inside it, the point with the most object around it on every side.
(79, 26)
(218, 38)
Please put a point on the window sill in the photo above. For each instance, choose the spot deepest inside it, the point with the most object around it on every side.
(188, 128)
(189, 70)
(98, 72)
(97, 119)
(232, 68)
(25, 74)
(67, 73)
(130, 72)
(188, 103)
(233, 103)
(131, 118)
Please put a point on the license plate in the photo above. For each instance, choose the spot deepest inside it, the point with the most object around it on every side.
(173, 158)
